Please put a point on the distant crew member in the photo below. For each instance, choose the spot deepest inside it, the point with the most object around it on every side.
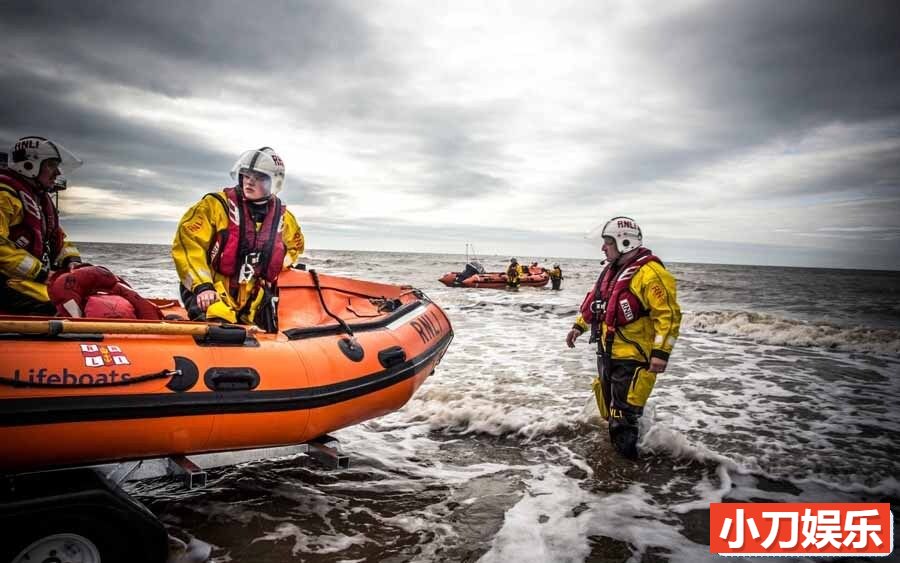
(514, 273)
(33, 245)
(634, 317)
(231, 246)
(556, 277)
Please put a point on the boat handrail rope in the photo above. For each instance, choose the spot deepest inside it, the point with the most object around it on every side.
(54, 327)
(166, 373)
(340, 321)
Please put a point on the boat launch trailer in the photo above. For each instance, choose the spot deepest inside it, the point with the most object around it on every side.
(83, 515)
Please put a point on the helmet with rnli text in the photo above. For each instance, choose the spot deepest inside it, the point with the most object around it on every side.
(261, 161)
(29, 153)
(625, 231)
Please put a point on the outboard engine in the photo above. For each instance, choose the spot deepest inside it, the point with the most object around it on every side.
(471, 269)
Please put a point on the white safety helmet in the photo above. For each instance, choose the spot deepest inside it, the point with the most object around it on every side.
(625, 232)
(263, 161)
(29, 153)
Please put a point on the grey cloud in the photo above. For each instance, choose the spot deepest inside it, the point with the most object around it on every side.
(758, 72)
(316, 60)
(465, 184)
(104, 141)
(459, 162)
(862, 230)
(298, 191)
(750, 72)
(872, 174)
(176, 48)
(785, 64)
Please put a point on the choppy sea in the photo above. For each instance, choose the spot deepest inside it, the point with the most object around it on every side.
(784, 386)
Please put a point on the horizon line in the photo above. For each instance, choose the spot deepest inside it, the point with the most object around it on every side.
(555, 257)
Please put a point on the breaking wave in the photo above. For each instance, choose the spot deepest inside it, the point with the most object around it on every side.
(769, 329)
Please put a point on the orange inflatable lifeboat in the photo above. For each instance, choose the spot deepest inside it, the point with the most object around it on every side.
(82, 391)
(494, 280)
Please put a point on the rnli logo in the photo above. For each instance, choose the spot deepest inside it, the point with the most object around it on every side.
(26, 144)
(626, 310)
(625, 224)
(96, 355)
(428, 326)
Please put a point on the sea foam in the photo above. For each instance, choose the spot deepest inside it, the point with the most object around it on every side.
(769, 329)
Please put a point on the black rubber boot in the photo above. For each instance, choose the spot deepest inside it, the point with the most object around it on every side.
(624, 438)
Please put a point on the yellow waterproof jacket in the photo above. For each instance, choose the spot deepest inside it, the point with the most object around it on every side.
(19, 266)
(556, 273)
(515, 273)
(194, 237)
(654, 334)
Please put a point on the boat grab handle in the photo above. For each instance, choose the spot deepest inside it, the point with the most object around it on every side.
(231, 379)
(390, 357)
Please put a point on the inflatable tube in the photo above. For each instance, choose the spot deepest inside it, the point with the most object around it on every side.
(348, 351)
(495, 280)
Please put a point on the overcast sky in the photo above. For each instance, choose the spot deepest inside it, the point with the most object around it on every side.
(762, 132)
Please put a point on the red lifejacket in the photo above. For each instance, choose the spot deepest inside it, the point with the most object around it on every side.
(612, 288)
(107, 306)
(241, 243)
(73, 293)
(39, 232)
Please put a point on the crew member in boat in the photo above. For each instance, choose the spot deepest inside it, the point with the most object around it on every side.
(634, 318)
(231, 246)
(33, 245)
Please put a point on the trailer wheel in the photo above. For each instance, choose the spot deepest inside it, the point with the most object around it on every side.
(65, 548)
(76, 516)
(96, 539)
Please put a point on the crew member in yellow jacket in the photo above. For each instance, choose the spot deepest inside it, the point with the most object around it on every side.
(634, 318)
(514, 274)
(231, 246)
(556, 276)
(33, 245)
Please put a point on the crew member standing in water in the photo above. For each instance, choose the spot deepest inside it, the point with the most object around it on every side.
(634, 317)
(556, 277)
(513, 274)
(231, 246)
(32, 243)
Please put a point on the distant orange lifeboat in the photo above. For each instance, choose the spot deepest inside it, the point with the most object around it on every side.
(496, 280)
(83, 391)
